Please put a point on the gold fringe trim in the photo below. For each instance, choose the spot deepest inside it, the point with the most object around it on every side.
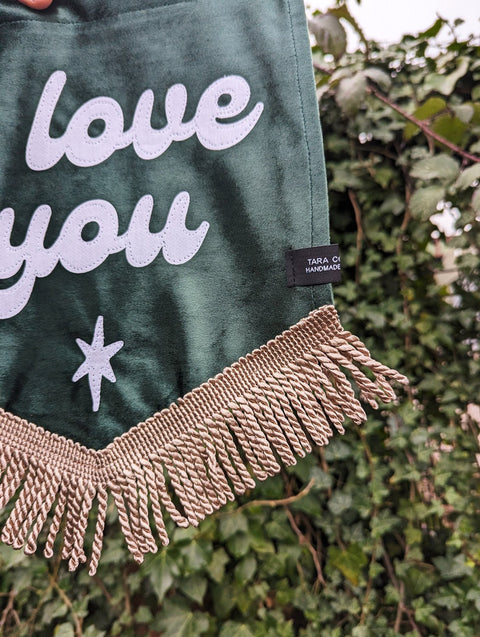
(266, 409)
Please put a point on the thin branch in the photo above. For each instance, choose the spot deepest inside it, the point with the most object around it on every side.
(402, 275)
(368, 590)
(325, 468)
(276, 503)
(42, 595)
(400, 608)
(400, 588)
(304, 541)
(322, 69)
(389, 566)
(376, 149)
(422, 126)
(360, 233)
(99, 582)
(77, 620)
(8, 609)
(128, 605)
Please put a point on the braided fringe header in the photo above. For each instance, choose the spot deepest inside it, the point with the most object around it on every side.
(190, 458)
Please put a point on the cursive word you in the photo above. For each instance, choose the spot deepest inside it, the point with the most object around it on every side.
(84, 150)
(78, 255)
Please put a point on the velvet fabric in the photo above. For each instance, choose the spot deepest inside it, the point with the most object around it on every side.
(180, 324)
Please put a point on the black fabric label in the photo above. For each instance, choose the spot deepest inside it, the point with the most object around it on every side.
(313, 266)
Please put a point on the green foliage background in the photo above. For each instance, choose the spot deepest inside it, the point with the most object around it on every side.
(378, 533)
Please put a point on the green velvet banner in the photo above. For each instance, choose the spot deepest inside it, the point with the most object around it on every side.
(164, 250)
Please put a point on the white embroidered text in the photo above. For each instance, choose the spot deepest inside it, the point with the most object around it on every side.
(81, 149)
(178, 244)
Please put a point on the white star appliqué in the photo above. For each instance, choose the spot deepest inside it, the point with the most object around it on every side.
(97, 362)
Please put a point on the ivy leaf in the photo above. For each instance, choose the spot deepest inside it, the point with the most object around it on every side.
(413, 535)
(177, 620)
(350, 94)
(384, 176)
(194, 587)
(417, 580)
(224, 598)
(384, 523)
(424, 613)
(349, 561)
(445, 84)
(439, 166)
(434, 30)
(425, 111)
(339, 502)
(323, 480)
(474, 595)
(450, 602)
(195, 556)
(431, 107)
(161, 575)
(329, 34)
(342, 11)
(91, 631)
(379, 77)
(231, 524)
(450, 127)
(475, 147)
(239, 544)
(344, 177)
(64, 630)
(452, 568)
(468, 177)
(245, 570)
(142, 616)
(10, 559)
(337, 450)
(424, 201)
(216, 568)
(361, 631)
(234, 629)
(476, 200)
(464, 112)
(53, 610)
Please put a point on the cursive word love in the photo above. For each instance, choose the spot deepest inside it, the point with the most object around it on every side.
(84, 150)
(78, 255)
